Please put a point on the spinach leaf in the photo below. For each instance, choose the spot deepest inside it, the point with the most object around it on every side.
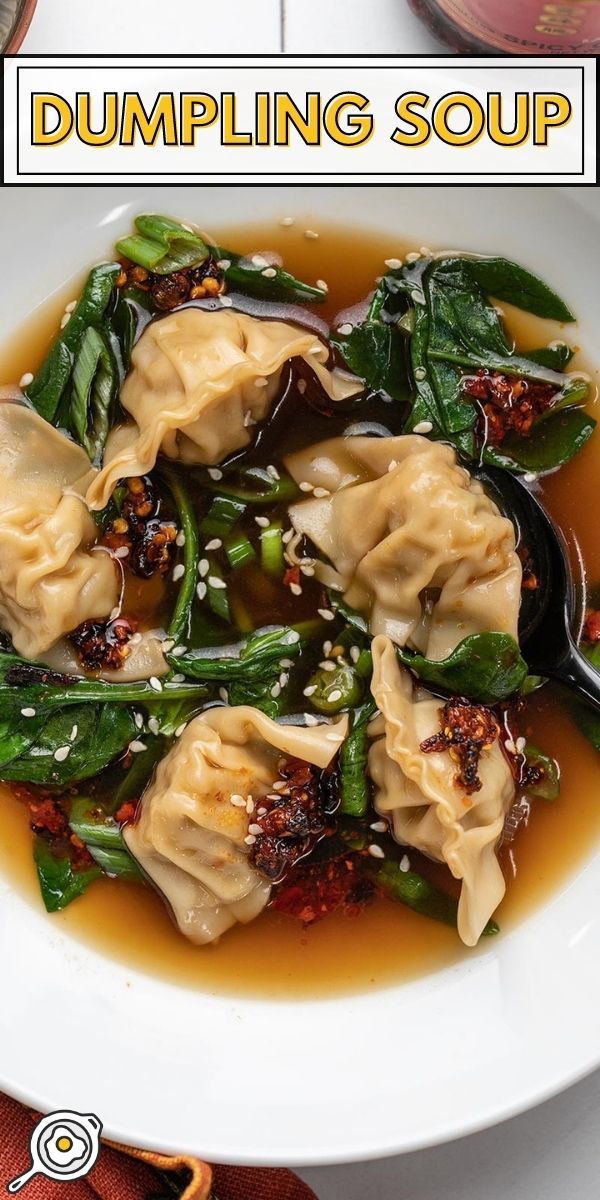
(59, 882)
(66, 745)
(250, 660)
(556, 357)
(24, 684)
(486, 667)
(508, 281)
(244, 275)
(77, 386)
(375, 350)
(548, 786)
(553, 442)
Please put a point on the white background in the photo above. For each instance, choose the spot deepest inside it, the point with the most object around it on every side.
(228, 26)
(552, 1153)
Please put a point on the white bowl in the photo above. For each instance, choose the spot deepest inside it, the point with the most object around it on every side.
(252, 1081)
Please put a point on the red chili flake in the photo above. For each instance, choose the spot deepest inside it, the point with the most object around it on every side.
(313, 891)
(294, 822)
(126, 813)
(507, 403)
(292, 576)
(466, 731)
(149, 538)
(591, 628)
(103, 645)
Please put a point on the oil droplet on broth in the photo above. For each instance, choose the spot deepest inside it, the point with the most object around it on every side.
(275, 956)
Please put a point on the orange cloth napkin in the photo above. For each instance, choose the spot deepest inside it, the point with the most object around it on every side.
(125, 1174)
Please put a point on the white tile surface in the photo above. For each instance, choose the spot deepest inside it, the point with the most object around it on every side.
(151, 27)
(227, 26)
(550, 1153)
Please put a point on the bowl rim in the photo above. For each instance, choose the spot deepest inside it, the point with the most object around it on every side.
(21, 24)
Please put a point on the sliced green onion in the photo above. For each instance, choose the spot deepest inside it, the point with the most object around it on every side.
(92, 827)
(95, 382)
(217, 596)
(335, 690)
(256, 486)
(271, 549)
(239, 550)
(162, 245)
(221, 517)
(115, 862)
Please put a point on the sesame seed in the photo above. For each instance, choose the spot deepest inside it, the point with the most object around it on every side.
(310, 234)
(412, 256)
(201, 590)
(392, 466)
(355, 653)
(180, 729)
(292, 637)
(345, 329)
(155, 683)
(62, 753)
(260, 381)
(510, 746)
(305, 486)
(255, 829)
(203, 567)
(379, 826)
(263, 522)
(73, 733)
(295, 589)
(65, 320)
(122, 552)
(273, 472)
(530, 477)
(423, 426)
(301, 385)
(327, 648)
(335, 695)
(180, 539)
(286, 663)
(136, 747)
(215, 544)
(310, 690)
(269, 272)
(283, 679)
(250, 839)
(178, 679)
(248, 419)
(324, 287)
(178, 571)
(287, 221)
(167, 645)
(326, 614)
(321, 492)
(177, 651)
(279, 785)
(224, 264)
(520, 745)
(376, 852)
(154, 726)
(259, 261)
(237, 801)
(327, 665)
(224, 695)
(309, 719)
(393, 263)
(261, 812)
(306, 570)
(139, 720)
(287, 536)
(26, 379)
(276, 690)
(28, 712)
(215, 473)
(226, 301)
(420, 373)
(405, 863)
(249, 805)
(216, 583)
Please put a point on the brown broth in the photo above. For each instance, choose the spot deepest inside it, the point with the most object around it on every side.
(275, 956)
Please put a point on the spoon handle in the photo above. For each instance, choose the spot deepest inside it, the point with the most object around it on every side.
(577, 673)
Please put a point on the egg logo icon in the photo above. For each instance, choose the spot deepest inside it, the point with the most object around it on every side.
(64, 1146)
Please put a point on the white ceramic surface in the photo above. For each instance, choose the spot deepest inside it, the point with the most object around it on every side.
(242, 1080)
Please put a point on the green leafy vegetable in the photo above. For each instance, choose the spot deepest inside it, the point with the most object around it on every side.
(59, 882)
(65, 745)
(28, 685)
(244, 275)
(486, 667)
(354, 778)
(423, 897)
(251, 659)
(547, 787)
(508, 281)
(180, 618)
(336, 690)
(162, 245)
(375, 351)
(255, 485)
(103, 838)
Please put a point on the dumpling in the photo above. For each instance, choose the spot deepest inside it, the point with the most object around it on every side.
(50, 581)
(419, 794)
(199, 380)
(414, 543)
(189, 837)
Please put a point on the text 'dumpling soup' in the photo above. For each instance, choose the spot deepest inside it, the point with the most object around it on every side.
(266, 722)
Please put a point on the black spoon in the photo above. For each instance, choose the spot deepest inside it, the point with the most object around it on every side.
(548, 612)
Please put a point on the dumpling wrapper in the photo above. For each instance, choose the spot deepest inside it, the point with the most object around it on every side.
(189, 838)
(418, 792)
(199, 380)
(414, 543)
(50, 580)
